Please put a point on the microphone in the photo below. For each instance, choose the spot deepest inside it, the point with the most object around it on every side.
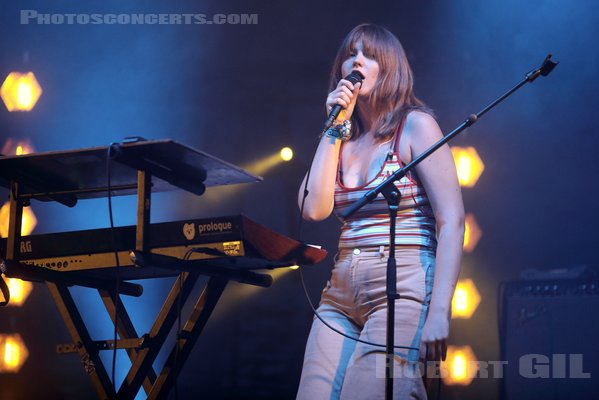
(354, 77)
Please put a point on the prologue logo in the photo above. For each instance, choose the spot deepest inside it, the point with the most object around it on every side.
(215, 227)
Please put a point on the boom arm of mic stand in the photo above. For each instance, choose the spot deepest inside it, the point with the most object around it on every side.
(546, 67)
(400, 173)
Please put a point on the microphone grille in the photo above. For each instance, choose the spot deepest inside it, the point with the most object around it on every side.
(355, 77)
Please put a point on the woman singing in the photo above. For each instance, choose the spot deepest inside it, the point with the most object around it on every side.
(382, 127)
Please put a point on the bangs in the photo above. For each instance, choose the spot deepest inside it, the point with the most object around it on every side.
(392, 95)
(377, 43)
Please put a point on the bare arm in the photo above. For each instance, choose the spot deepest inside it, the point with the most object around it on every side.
(323, 173)
(439, 178)
(321, 185)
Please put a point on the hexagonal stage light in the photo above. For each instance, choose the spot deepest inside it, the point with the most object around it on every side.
(465, 299)
(19, 291)
(17, 147)
(28, 222)
(468, 165)
(20, 91)
(13, 353)
(460, 366)
(472, 233)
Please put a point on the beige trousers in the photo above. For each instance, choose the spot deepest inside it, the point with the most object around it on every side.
(355, 302)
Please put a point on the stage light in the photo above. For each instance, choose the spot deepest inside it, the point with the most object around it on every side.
(465, 299)
(294, 267)
(28, 222)
(468, 164)
(13, 147)
(472, 233)
(13, 353)
(286, 154)
(19, 291)
(265, 164)
(460, 366)
(20, 91)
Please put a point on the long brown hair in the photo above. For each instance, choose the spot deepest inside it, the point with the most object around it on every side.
(392, 96)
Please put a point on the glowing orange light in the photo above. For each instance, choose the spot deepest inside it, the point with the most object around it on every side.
(17, 147)
(286, 154)
(468, 164)
(472, 233)
(28, 223)
(19, 291)
(460, 366)
(465, 299)
(13, 353)
(20, 91)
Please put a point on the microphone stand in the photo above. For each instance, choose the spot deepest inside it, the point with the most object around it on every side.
(393, 196)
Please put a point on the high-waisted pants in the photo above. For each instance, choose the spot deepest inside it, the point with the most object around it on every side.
(354, 301)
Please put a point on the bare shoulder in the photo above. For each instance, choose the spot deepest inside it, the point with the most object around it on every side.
(421, 128)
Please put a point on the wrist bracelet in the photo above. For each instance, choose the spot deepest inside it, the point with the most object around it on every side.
(341, 131)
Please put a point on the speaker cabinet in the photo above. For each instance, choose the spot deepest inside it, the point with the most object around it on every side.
(549, 332)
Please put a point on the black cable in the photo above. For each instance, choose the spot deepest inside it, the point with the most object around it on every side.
(338, 331)
(117, 269)
(5, 291)
(303, 282)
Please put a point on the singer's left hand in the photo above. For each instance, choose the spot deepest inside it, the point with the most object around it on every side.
(433, 342)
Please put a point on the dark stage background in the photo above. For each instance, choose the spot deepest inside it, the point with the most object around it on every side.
(241, 92)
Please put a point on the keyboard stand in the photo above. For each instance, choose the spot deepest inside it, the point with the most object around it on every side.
(138, 167)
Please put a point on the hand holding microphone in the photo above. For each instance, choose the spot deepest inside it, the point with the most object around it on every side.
(342, 100)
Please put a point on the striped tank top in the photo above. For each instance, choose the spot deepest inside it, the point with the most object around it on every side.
(369, 226)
